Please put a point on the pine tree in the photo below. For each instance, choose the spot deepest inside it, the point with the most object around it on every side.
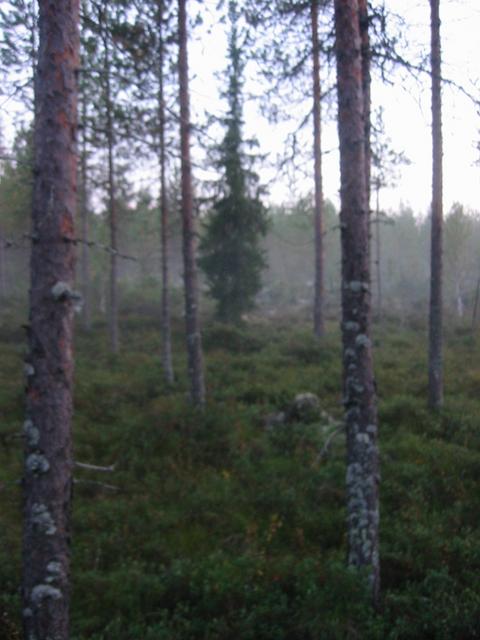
(435, 357)
(192, 320)
(231, 255)
(47, 481)
(358, 379)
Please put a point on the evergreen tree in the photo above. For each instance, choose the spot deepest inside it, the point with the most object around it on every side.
(231, 253)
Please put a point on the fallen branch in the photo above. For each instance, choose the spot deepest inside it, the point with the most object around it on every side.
(95, 467)
(326, 447)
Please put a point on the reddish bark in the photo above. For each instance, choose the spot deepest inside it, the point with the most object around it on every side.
(318, 309)
(194, 341)
(358, 380)
(435, 357)
(49, 366)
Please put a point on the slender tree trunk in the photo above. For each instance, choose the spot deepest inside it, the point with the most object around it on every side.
(367, 101)
(49, 366)
(3, 267)
(358, 380)
(435, 358)
(164, 214)
(475, 304)
(112, 203)
(85, 257)
(377, 253)
(318, 310)
(194, 340)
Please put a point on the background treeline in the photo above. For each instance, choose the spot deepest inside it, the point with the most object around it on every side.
(288, 245)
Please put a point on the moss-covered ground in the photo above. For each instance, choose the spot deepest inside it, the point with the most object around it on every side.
(214, 527)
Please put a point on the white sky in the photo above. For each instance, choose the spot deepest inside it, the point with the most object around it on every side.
(406, 109)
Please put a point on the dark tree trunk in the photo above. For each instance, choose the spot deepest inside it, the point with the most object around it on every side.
(3, 267)
(378, 247)
(112, 203)
(358, 380)
(49, 366)
(164, 232)
(85, 254)
(435, 364)
(318, 309)
(366, 88)
(194, 341)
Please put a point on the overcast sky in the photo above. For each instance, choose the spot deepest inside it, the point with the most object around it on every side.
(407, 109)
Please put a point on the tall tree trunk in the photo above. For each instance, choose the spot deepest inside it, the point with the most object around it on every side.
(318, 309)
(164, 232)
(49, 366)
(435, 359)
(3, 267)
(194, 341)
(377, 252)
(85, 253)
(367, 101)
(112, 203)
(358, 380)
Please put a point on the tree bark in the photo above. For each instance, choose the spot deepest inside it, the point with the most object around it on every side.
(49, 365)
(112, 203)
(318, 309)
(164, 214)
(85, 252)
(359, 387)
(435, 357)
(367, 100)
(194, 340)
(3, 267)
(378, 253)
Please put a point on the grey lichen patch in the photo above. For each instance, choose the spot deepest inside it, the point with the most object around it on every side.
(349, 353)
(362, 341)
(37, 463)
(31, 433)
(356, 286)
(54, 570)
(42, 519)
(362, 438)
(27, 612)
(61, 290)
(351, 326)
(54, 567)
(371, 429)
(43, 591)
(28, 369)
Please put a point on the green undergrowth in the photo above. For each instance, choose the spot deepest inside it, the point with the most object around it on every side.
(214, 526)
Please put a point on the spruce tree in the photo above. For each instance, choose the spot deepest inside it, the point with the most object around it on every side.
(231, 253)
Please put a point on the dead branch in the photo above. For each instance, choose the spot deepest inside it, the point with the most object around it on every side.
(95, 467)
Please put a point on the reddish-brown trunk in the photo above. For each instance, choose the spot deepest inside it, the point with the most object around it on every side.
(366, 88)
(194, 341)
(435, 364)
(165, 239)
(358, 380)
(49, 365)
(318, 309)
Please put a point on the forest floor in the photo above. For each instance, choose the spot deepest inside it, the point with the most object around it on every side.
(214, 527)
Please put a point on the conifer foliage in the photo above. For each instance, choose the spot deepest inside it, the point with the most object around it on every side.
(231, 253)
